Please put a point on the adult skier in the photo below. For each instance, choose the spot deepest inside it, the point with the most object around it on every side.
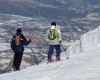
(54, 40)
(17, 45)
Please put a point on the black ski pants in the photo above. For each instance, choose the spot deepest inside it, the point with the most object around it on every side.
(17, 60)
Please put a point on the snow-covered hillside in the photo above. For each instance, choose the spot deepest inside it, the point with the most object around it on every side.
(8, 25)
(83, 66)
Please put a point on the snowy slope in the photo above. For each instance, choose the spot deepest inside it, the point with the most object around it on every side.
(83, 66)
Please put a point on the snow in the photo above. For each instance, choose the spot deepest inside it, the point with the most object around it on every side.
(83, 66)
(4, 46)
(87, 42)
(4, 61)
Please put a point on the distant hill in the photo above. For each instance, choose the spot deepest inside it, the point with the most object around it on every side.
(55, 9)
(48, 8)
(70, 14)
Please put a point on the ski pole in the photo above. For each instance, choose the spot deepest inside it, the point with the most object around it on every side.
(35, 58)
(9, 68)
(65, 52)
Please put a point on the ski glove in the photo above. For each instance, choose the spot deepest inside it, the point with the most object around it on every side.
(30, 40)
(60, 42)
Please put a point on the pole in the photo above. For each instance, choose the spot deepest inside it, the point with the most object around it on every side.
(34, 56)
(67, 57)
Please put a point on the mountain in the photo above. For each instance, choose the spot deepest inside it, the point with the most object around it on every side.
(74, 16)
(49, 9)
(46, 7)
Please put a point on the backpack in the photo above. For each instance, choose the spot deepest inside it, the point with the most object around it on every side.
(53, 34)
(17, 39)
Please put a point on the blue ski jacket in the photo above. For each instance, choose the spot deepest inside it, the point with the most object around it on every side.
(19, 48)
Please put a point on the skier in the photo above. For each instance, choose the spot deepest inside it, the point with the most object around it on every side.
(54, 40)
(17, 45)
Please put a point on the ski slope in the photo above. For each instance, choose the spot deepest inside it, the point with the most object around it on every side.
(83, 66)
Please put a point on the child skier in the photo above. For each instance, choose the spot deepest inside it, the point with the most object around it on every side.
(54, 40)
